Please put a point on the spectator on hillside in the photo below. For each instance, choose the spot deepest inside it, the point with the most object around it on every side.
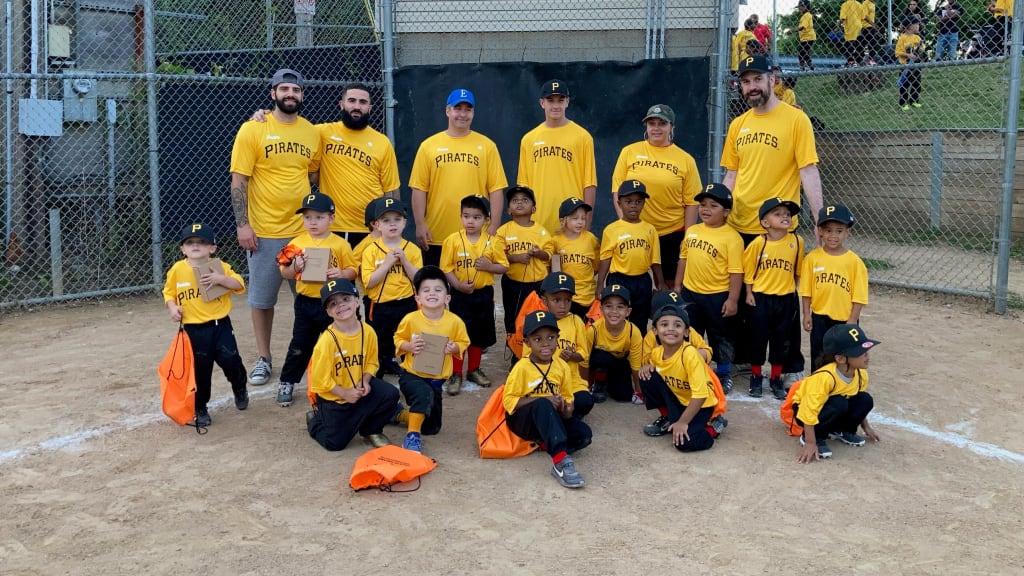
(762, 33)
(947, 17)
(913, 11)
(806, 35)
(851, 20)
(739, 44)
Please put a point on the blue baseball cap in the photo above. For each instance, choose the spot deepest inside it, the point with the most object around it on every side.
(460, 95)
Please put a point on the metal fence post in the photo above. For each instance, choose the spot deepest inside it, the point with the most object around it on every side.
(1009, 164)
(935, 216)
(149, 54)
(386, 10)
(721, 79)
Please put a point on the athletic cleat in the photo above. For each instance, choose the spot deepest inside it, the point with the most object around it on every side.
(413, 442)
(659, 427)
(777, 388)
(756, 386)
(915, 104)
(823, 450)
(638, 398)
(479, 378)
(260, 374)
(726, 383)
(600, 392)
(242, 399)
(566, 474)
(284, 394)
(790, 378)
(203, 417)
(718, 423)
(377, 440)
(453, 384)
(905, 107)
(848, 438)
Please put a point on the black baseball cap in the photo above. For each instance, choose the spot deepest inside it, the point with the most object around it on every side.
(369, 215)
(671, 310)
(198, 230)
(836, 213)
(385, 205)
(478, 201)
(539, 319)
(755, 63)
(316, 201)
(553, 87)
(629, 187)
(558, 282)
(773, 203)
(661, 111)
(336, 286)
(509, 193)
(718, 192)
(666, 298)
(616, 290)
(287, 76)
(572, 204)
(848, 340)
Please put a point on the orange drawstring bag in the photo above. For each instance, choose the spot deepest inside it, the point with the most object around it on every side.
(178, 381)
(493, 437)
(386, 466)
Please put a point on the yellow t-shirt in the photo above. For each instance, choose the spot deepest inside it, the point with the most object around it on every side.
(632, 247)
(556, 163)
(867, 10)
(515, 239)
(341, 257)
(834, 283)
(807, 33)
(739, 47)
(1003, 8)
(629, 343)
(538, 380)
(696, 340)
(448, 169)
(574, 336)
(580, 260)
(686, 375)
(671, 178)
(341, 360)
(450, 326)
(182, 287)
(772, 267)
(906, 43)
(355, 167)
(785, 94)
(853, 19)
(767, 152)
(277, 157)
(396, 285)
(816, 389)
(711, 255)
(459, 254)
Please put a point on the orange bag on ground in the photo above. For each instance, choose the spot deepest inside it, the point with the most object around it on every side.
(386, 466)
(178, 380)
(716, 385)
(793, 428)
(515, 341)
(493, 437)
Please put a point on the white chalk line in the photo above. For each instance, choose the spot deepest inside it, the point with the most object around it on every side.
(65, 442)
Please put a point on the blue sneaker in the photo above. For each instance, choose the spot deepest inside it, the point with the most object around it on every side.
(413, 442)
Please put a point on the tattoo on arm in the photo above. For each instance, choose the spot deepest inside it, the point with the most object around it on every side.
(240, 203)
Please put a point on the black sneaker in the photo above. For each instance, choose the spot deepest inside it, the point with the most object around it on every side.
(600, 392)
(659, 427)
(726, 383)
(718, 424)
(848, 438)
(823, 450)
(203, 417)
(778, 390)
(242, 399)
(756, 386)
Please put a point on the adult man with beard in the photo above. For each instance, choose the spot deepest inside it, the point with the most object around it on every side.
(270, 164)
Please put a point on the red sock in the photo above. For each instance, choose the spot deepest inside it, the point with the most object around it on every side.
(475, 352)
(557, 458)
(457, 365)
(663, 411)
(711, 431)
(776, 371)
(756, 371)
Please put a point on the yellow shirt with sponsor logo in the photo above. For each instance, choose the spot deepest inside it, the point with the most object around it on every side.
(355, 167)
(341, 360)
(341, 257)
(459, 254)
(671, 178)
(574, 336)
(396, 285)
(533, 379)
(767, 152)
(686, 375)
(628, 343)
(515, 239)
(449, 326)
(556, 163)
(695, 339)
(277, 157)
(834, 283)
(448, 169)
(182, 287)
(772, 266)
(579, 259)
(806, 26)
(632, 247)
(827, 381)
(711, 255)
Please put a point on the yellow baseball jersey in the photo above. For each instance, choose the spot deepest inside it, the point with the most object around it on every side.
(686, 375)
(530, 379)
(739, 47)
(1003, 8)
(906, 43)
(182, 287)
(827, 381)
(277, 157)
(580, 260)
(574, 336)
(448, 169)
(341, 257)
(767, 152)
(853, 19)
(341, 360)
(671, 178)
(557, 163)
(711, 255)
(806, 26)
(357, 254)
(632, 247)
(355, 167)
(629, 343)
(459, 254)
(772, 266)
(834, 283)
(867, 10)
(450, 326)
(696, 340)
(396, 285)
(785, 94)
(515, 239)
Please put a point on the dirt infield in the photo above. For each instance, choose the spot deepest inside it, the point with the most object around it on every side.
(96, 481)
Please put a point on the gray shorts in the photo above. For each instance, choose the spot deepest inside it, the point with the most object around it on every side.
(264, 274)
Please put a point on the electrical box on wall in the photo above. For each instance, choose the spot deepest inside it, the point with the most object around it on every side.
(59, 41)
(80, 100)
(40, 117)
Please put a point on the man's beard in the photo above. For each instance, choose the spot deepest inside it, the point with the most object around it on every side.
(288, 107)
(758, 101)
(354, 123)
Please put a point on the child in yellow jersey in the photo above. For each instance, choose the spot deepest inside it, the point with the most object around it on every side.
(835, 280)
(832, 402)
(388, 266)
(908, 51)
(557, 292)
(470, 258)
(538, 399)
(771, 272)
(207, 323)
(673, 298)
(578, 253)
(710, 276)
(422, 390)
(616, 350)
(348, 399)
(631, 252)
(310, 318)
(675, 382)
(528, 247)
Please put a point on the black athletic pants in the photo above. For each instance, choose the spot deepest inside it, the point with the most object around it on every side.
(214, 342)
(384, 318)
(641, 289)
(513, 294)
(616, 374)
(819, 325)
(311, 320)
(334, 424)
(840, 414)
(423, 397)
(538, 421)
(706, 318)
(658, 395)
(770, 328)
